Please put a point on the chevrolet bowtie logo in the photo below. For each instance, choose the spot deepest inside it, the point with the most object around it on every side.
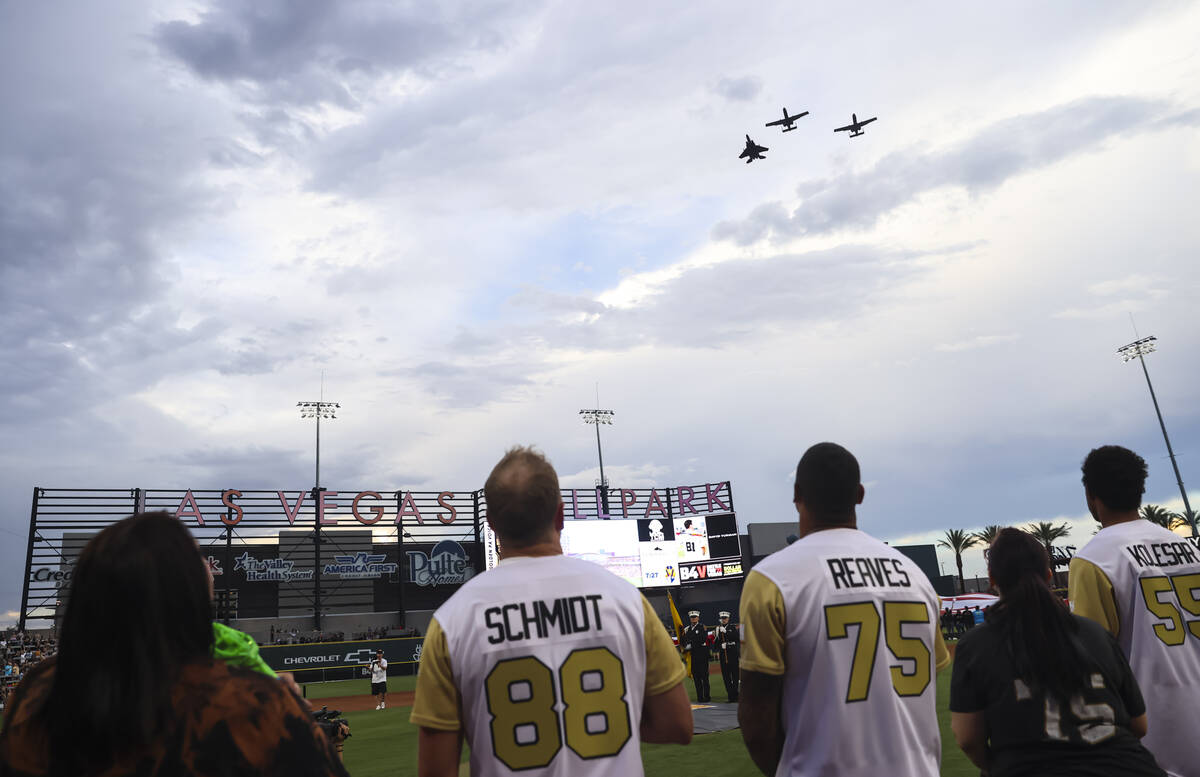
(362, 656)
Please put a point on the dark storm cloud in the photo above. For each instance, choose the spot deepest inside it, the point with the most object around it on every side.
(303, 52)
(84, 199)
(979, 164)
(740, 89)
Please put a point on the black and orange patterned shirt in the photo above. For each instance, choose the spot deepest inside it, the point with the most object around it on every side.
(227, 721)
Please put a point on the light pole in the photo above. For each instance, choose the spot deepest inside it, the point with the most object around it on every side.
(318, 410)
(1138, 350)
(596, 417)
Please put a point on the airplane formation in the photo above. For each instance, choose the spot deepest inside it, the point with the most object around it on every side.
(788, 122)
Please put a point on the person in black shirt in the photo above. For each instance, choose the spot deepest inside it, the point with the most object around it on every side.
(695, 642)
(1039, 692)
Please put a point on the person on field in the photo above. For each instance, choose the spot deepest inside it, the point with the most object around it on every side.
(546, 665)
(1037, 690)
(379, 679)
(165, 692)
(727, 639)
(695, 644)
(1141, 582)
(840, 643)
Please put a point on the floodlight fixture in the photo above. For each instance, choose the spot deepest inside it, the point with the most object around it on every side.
(1131, 351)
(597, 416)
(1138, 349)
(318, 409)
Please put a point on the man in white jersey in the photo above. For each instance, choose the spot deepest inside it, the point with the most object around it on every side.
(548, 665)
(851, 627)
(1142, 583)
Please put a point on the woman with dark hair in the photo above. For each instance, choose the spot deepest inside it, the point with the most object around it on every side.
(1037, 691)
(135, 688)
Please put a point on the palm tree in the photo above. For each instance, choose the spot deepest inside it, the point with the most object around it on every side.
(957, 541)
(1046, 533)
(1191, 519)
(987, 535)
(1162, 516)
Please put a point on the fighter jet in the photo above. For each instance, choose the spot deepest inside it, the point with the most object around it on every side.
(753, 151)
(787, 122)
(855, 126)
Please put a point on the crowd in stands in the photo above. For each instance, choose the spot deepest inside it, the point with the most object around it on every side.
(294, 636)
(22, 651)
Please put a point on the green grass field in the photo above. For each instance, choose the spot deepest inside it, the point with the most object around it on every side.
(384, 743)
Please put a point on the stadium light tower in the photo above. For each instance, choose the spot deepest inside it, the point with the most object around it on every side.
(1138, 350)
(597, 417)
(318, 410)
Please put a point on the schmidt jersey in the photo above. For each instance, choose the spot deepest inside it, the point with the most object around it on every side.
(1142, 583)
(544, 663)
(851, 625)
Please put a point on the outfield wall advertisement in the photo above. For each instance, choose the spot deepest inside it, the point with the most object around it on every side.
(341, 655)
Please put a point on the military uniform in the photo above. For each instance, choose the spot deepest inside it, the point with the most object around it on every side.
(728, 642)
(695, 641)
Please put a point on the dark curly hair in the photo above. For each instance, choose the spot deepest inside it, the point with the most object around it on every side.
(1116, 476)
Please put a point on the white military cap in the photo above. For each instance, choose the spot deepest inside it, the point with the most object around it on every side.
(693, 613)
(723, 614)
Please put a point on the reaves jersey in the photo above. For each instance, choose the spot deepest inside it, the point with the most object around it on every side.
(851, 625)
(544, 663)
(1142, 583)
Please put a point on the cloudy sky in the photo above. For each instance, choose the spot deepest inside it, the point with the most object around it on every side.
(468, 215)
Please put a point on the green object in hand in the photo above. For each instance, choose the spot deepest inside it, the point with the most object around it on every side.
(237, 648)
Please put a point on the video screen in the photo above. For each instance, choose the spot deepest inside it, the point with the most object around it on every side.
(656, 552)
(611, 544)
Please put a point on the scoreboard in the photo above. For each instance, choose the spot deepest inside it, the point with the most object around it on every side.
(655, 552)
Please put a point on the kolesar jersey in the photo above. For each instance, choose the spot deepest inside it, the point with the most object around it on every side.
(544, 663)
(852, 627)
(1142, 583)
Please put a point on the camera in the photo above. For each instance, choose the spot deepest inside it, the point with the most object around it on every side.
(331, 722)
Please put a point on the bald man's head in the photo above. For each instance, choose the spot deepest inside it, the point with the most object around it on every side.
(522, 497)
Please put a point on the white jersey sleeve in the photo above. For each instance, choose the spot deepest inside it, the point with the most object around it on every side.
(1142, 582)
(544, 666)
(852, 626)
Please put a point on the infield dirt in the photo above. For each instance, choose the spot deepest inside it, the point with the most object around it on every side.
(363, 701)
